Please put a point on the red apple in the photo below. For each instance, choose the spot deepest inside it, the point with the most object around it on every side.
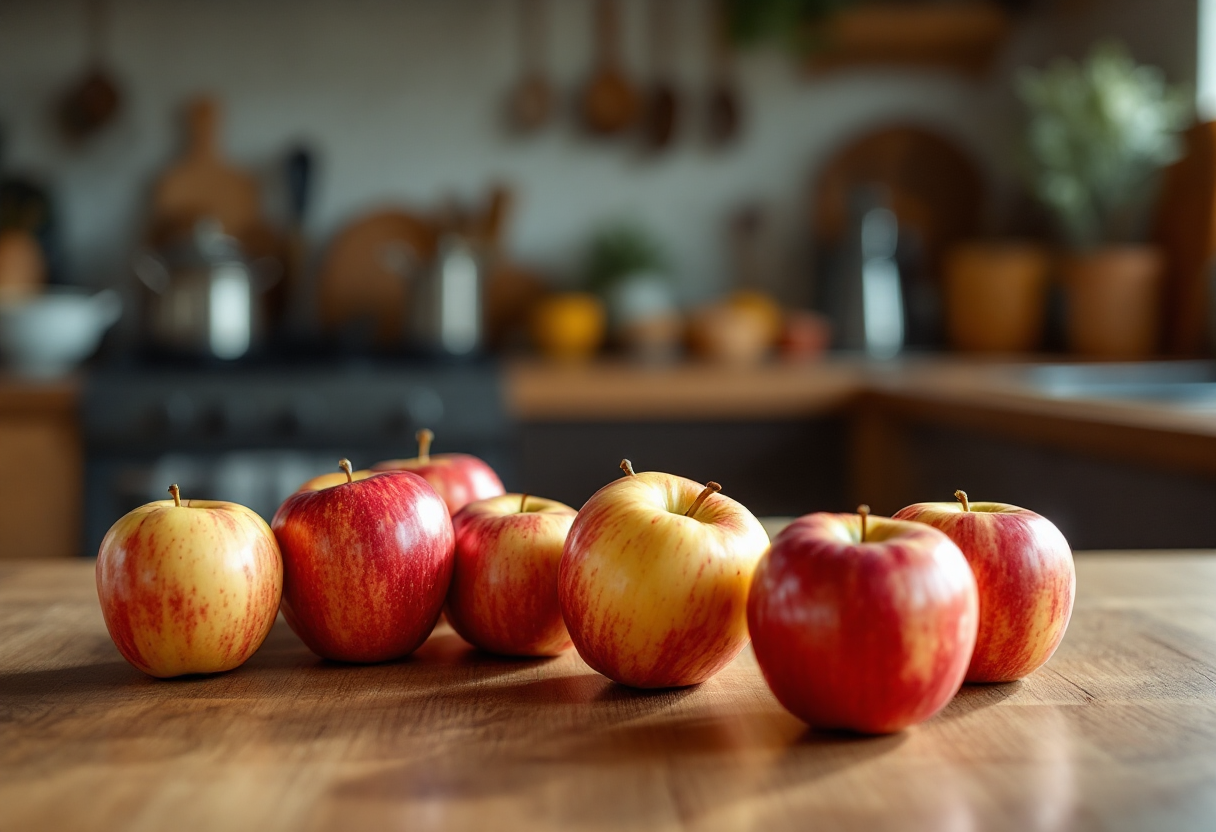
(458, 478)
(654, 578)
(1026, 578)
(864, 624)
(189, 587)
(503, 597)
(366, 565)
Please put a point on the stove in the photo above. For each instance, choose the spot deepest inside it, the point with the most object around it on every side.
(252, 433)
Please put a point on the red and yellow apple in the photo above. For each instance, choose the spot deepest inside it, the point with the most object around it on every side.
(189, 586)
(863, 624)
(458, 478)
(366, 564)
(503, 597)
(332, 478)
(1024, 570)
(654, 578)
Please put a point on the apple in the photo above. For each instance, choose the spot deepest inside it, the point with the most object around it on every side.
(189, 587)
(458, 478)
(503, 597)
(1024, 570)
(863, 623)
(654, 578)
(366, 565)
(332, 478)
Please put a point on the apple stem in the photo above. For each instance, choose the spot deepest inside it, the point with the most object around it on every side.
(961, 496)
(177, 495)
(424, 437)
(523, 504)
(344, 464)
(627, 467)
(710, 488)
(864, 512)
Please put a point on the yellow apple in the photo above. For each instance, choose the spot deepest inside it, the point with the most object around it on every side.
(189, 586)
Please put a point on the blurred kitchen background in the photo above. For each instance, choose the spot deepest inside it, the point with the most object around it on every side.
(820, 251)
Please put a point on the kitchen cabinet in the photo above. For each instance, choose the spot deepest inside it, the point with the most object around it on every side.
(785, 467)
(791, 438)
(781, 438)
(41, 470)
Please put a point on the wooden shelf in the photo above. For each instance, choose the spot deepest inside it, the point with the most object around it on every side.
(963, 37)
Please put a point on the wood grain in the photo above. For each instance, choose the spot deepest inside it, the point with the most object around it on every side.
(1118, 731)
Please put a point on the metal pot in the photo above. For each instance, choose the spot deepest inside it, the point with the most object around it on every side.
(206, 299)
(446, 301)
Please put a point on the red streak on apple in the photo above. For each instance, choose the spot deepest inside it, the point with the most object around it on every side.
(151, 566)
(653, 598)
(870, 637)
(503, 597)
(458, 478)
(366, 566)
(1027, 582)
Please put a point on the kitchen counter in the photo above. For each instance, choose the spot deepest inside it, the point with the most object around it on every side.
(989, 395)
(1118, 731)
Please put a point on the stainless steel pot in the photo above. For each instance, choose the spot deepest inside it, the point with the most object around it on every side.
(446, 301)
(206, 299)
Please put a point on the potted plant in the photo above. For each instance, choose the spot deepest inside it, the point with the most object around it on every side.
(1098, 136)
(626, 265)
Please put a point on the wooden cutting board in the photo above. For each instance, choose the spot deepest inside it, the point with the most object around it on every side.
(363, 282)
(934, 187)
(203, 184)
(1186, 231)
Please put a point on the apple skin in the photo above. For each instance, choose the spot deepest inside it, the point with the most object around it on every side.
(869, 637)
(458, 478)
(654, 599)
(367, 565)
(503, 597)
(193, 588)
(1027, 582)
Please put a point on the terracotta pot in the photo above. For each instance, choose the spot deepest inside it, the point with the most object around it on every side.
(1113, 299)
(996, 296)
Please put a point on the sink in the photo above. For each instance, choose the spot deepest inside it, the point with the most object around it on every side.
(1183, 383)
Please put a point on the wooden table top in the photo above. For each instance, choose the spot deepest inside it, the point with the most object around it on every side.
(1118, 731)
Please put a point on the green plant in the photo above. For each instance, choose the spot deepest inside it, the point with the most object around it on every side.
(621, 250)
(1098, 135)
(751, 22)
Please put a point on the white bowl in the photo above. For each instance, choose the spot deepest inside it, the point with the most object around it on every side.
(48, 334)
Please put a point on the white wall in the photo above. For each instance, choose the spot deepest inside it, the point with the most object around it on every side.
(403, 98)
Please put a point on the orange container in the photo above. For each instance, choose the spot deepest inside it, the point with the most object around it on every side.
(1114, 301)
(996, 296)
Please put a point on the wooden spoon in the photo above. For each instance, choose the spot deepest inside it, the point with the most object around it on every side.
(531, 101)
(662, 106)
(94, 100)
(722, 105)
(610, 103)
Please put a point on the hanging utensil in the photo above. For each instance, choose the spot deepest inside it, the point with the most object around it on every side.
(298, 173)
(723, 107)
(662, 106)
(92, 102)
(531, 101)
(610, 103)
